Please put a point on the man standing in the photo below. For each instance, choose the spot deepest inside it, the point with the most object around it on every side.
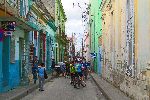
(53, 65)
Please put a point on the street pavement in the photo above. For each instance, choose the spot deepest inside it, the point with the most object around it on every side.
(60, 89)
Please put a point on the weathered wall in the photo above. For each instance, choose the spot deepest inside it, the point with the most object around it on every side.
(95, 32)
(125, 43)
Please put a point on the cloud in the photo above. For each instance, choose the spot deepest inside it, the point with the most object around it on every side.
(74, 26)
(74, 19)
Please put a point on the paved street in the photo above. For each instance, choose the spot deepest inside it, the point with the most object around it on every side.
(60, 89)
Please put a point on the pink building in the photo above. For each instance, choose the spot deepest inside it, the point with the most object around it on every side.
(87, 47)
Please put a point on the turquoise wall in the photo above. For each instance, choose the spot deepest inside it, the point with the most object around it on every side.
(50, 37)
(6, 63)
(96, 25)
(14, 74)
(1, 75)
(9, 72)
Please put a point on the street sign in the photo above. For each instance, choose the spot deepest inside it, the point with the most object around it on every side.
(93, 55)
(55, 45)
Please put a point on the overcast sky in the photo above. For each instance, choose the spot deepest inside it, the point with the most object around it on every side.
(74, 22)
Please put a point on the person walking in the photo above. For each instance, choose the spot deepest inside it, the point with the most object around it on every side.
(79, 73)
(41, 69)
(35, 69)
(85, 69)
(72, 73)
(53, 66)
(63, 69)
(67, 69)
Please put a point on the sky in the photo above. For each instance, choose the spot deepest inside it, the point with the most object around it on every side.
(75, 24)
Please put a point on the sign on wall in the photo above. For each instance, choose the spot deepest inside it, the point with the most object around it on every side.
(1, 35)
(55, 45)
(8, 25)
(93, 55)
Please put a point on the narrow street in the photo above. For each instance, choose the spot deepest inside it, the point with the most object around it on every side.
(108, 38)
(60, 89)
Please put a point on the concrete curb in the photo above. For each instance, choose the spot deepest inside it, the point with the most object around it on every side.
(103, 91)
(108, 90)
(28, 91)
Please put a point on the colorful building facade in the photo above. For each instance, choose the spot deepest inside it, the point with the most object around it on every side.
(32, 36)
(61, 37)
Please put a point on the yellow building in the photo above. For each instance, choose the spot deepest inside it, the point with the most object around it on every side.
(125, 43)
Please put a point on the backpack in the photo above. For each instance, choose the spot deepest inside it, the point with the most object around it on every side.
(45, 74)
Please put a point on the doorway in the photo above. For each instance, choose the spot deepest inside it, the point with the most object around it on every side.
(6, 60)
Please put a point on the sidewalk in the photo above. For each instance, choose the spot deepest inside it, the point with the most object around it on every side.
(21, 91)
(110, 92)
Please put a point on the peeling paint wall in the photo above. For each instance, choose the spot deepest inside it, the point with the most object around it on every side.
(125, 43)
(95, 32)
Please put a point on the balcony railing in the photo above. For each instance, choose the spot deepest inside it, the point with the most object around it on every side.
(10, 7)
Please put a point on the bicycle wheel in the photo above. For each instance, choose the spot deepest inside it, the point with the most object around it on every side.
(83, 84)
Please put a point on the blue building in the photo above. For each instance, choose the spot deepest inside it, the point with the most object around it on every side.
(16, 56)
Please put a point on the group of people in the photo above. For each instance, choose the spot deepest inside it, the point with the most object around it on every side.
(77, 69)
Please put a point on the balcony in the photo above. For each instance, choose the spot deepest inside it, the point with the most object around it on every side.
(10, 12)
(11, 8)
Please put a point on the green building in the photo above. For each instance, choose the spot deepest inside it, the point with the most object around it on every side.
(61, 37)
(95, 28)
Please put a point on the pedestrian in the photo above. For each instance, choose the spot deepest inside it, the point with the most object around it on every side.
(34, 72)
(63, 69)
(89, 66)
(53, 66)
(85, 69)
(72, 73)
(67, 69)
(35, 69)
(79, 73)
(41, 69)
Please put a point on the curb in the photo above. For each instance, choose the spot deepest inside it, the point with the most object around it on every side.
(103, 91)
(28, 91)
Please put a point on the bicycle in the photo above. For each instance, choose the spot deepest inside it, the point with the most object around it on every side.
(78, 81)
